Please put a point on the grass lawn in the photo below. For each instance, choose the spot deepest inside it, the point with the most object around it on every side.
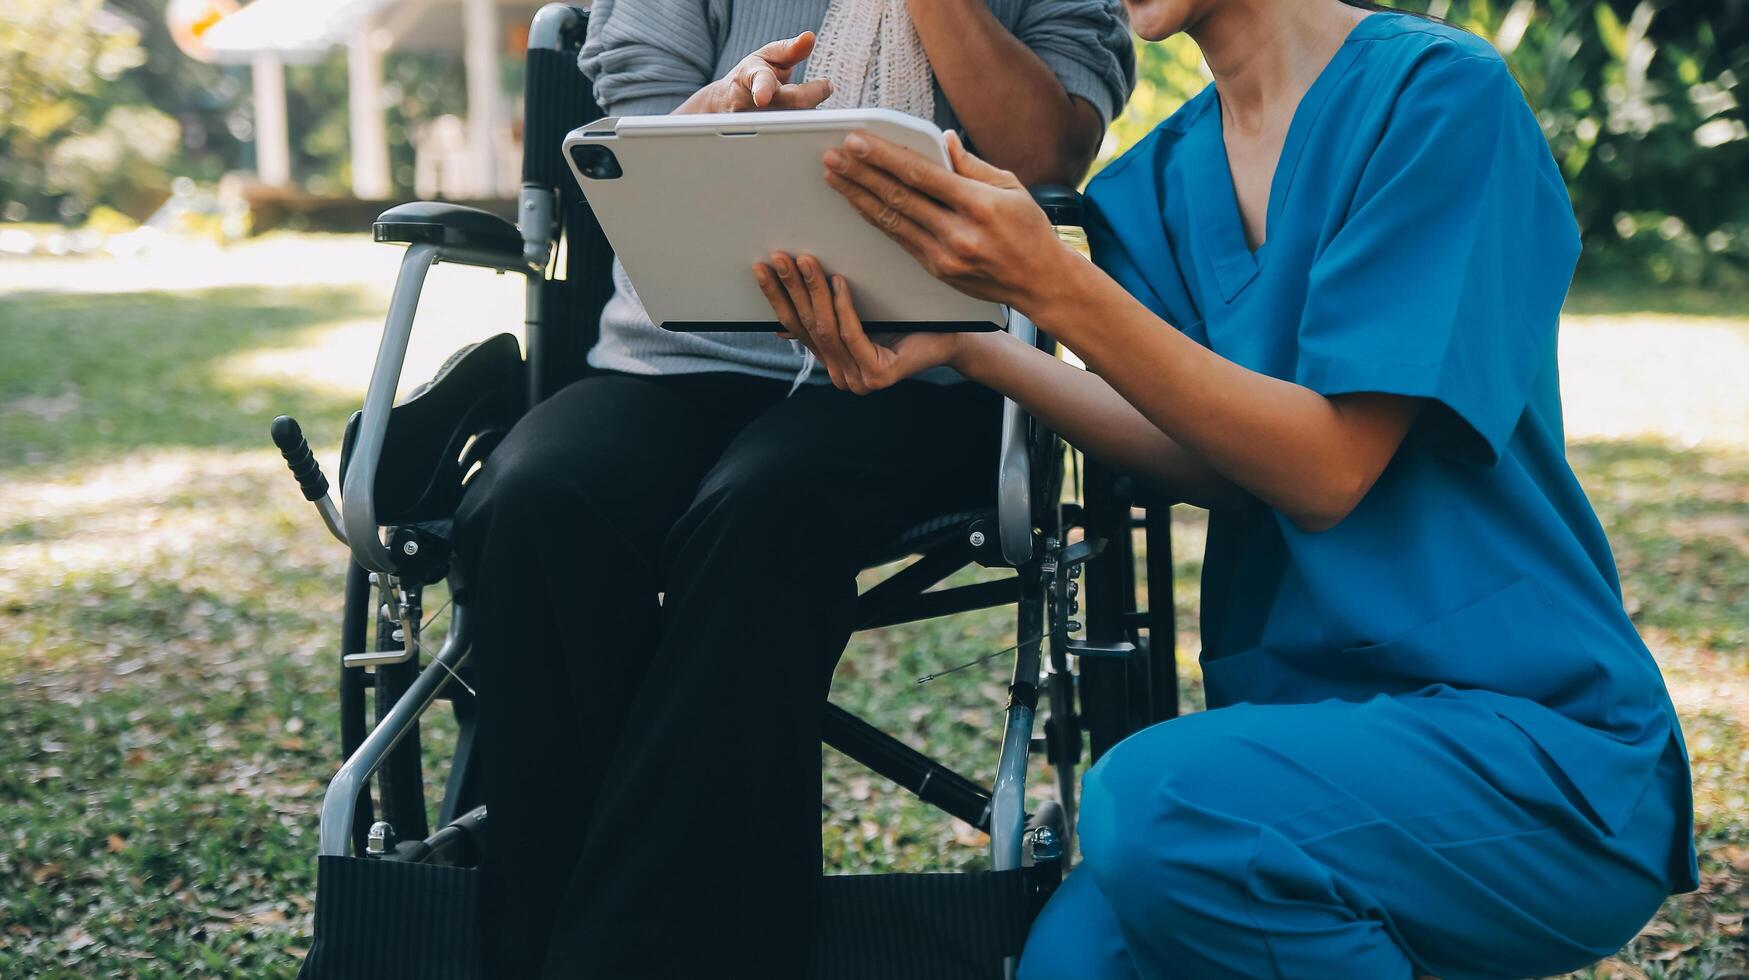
(169, 604)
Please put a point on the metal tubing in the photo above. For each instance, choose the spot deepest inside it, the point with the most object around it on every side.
(331, 517)
(1104, 689)
(550, 25)
(359, 494)
(1008, 798)
(536, 209)
(1014, 467)
(874, 605)
(1162, 614)
(884, 755)
(358, 503)
(342, 797)
(946, 602)
(354, 620)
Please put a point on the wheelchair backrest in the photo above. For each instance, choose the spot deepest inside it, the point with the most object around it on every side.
(557, 98)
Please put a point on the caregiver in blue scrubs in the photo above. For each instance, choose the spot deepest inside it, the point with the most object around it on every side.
(1324, 306)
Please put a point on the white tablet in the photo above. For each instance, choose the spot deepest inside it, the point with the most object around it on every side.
(690, 202)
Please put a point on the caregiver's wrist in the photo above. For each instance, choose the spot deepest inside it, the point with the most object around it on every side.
(1062, 293)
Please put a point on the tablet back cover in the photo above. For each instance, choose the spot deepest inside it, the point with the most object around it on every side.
(689, 203)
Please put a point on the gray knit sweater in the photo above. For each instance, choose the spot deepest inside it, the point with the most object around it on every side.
(648, 56)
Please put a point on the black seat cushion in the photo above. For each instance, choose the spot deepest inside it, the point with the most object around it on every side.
(441, 429)
(447, 224)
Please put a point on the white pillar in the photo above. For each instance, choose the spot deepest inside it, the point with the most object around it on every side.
(272, 146)
(364, 104)
(485, 104)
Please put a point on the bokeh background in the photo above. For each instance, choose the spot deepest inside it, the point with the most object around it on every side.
(168, 283)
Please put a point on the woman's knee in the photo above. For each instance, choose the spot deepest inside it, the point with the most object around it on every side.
(513, 494)
(773, 512)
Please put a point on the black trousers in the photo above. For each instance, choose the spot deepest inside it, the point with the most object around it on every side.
(662, 572)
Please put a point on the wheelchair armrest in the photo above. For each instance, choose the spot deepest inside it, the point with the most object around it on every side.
(454, 225)
(1060, 204)
(1014, 484)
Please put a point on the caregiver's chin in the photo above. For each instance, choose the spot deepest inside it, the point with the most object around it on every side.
(1156, 20)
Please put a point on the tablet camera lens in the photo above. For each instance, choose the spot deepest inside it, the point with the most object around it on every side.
(596, 162)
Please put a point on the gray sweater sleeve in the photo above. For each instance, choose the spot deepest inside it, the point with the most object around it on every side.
(648, 56)
(1087, 44)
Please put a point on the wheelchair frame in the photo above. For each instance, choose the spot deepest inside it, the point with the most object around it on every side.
(1126, 677)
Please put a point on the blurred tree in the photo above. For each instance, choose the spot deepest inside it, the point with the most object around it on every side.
(59, 61)
(1641, 103)
(98, 105)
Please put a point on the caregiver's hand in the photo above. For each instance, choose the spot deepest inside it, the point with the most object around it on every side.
(762, 81)
(817, 310)
(974, 227)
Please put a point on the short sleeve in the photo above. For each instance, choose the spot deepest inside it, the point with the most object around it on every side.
(1087, 45)
(1446, 277)
(646, 57)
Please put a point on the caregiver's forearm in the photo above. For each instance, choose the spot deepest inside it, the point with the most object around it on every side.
(1092, 417)
(1010, 104)
(1312, 458)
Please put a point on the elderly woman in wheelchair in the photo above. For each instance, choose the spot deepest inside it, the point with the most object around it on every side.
(663, 555)
(1324, 307)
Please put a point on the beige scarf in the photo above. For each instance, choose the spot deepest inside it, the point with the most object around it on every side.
(872, 54)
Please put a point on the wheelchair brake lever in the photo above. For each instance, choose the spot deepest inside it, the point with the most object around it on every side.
(296, 450)
(1082, 552)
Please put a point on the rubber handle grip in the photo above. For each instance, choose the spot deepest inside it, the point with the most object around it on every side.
(290, 440)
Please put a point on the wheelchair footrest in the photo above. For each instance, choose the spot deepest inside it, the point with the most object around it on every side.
(394, 919)
(389, 920)
(953, 926)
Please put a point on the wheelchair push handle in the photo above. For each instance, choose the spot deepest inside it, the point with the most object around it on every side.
(296, 450)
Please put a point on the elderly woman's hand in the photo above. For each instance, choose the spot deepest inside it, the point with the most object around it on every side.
(762, 81)
(817, 310)
(974, 227)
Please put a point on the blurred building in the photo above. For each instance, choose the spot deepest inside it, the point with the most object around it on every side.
(475, 157)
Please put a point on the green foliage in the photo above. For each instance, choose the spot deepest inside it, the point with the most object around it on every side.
(57, 62)
(417, 88)
(99, 106)
(1640, 100)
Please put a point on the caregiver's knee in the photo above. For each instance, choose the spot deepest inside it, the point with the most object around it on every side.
(1159, 811)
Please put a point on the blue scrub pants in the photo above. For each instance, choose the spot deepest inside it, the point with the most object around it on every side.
(1385, 838)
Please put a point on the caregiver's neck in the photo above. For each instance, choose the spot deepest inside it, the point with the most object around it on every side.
(1265, 54)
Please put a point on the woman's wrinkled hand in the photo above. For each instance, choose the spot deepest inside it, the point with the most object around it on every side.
(762, 81)
(974, 227)
(817, 310)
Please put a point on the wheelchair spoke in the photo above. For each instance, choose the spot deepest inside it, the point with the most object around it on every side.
(926, 678)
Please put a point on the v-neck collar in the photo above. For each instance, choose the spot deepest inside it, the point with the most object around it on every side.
(1214, 210)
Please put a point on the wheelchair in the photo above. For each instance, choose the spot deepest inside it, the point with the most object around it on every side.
(398, 892)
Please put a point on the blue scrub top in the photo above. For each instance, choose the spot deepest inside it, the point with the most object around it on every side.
(1419, 242)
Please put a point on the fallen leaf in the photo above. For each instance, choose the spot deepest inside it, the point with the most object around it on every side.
(1669, 952)
(77, 938)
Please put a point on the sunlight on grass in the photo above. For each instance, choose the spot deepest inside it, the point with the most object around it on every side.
(1681, 379)
(169, 604)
